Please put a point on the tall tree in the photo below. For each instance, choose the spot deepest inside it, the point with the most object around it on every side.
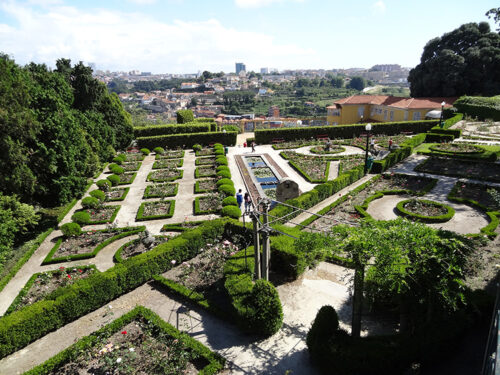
(464, 61)
(357, 83)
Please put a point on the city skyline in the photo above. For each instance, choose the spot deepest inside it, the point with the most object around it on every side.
(187, 36)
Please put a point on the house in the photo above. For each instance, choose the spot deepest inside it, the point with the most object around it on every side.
(382, 108)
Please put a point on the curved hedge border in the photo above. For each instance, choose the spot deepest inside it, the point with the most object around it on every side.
(30, 283)
(117, 258)
(400, 209)
(478, 150)
(140, 212)
(215, 361)
(167, 179)
(488, 230)
(342, 149)
(122, 232)
(156, 164)
(125, 192)
(69, 303)
(147, 193)
(127, 182)
(178, 227)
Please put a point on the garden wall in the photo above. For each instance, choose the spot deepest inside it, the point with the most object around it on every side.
(480, 107)
(187, 140)
(192, 127)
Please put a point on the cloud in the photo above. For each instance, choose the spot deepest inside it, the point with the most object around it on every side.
(142, 2)
(379, 7)
(125, 41)
(260, 3)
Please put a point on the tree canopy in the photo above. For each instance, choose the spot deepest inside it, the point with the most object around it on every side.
(465, 61)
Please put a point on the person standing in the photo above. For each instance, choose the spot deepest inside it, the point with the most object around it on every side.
(248, 202)
(390, 144)
(239, 198)
(253, 146)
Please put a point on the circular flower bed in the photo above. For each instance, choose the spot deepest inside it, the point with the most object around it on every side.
(457, 148)
(424, 210)
(334, 149)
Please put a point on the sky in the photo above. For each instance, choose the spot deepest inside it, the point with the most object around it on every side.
(187, 36)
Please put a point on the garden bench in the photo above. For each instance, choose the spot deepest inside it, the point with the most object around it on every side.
(322, 137)
(277, 140)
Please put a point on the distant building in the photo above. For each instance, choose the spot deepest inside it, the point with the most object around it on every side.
(264, 70)
(274, 111)
(386, 67)
(382, 108)
(240, 67)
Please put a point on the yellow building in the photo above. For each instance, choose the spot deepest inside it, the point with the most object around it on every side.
(382, 108)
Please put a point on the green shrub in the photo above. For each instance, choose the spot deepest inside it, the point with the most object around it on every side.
(221, 160)
(112, 165)
(224, 174)
(71, 229)
(117, 160)
(81, 217)
(184, 116)
(218, 146)
(483, 108)
(151, 131)
(323, 328)
(197, 147)
(267, 314)
(426, 219)
(227, 190)
(225, 181)
(117, 170)
(187, 140)
(222, 168)
(232, 128)
(113, 179)
(438, 138)
(145, 151)
(98, 194)
(122, 157)
(229, 201)
(103, 185)
(159, 150)
(231, 211)
(219, 152)
(90, 202)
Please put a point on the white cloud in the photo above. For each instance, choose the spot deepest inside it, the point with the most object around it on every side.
(379, 7)
(260, 3)
(142, 2)
(125, 41)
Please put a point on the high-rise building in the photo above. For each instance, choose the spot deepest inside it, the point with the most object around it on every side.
(240, 67)
(264, 70)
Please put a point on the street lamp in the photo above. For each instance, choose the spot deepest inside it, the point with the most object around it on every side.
(441, 116)
(361, 119)
(368, 128)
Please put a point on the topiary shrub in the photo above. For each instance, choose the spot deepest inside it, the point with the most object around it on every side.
(122, 157)
(218, 145)
(222, 168)
(117, 160)
(224, 174)
(266, 311)
(219, 152)
(103, 185)
(117, 170)
(227, 190)
(145, 151)
(112, 165)
(114, 179)
(71, 229)
(184, 116)
(231, 211)
(197, 147)
(159, 150)
(324, 326)
(81, 217)
(98, 194)
(221, 160)
(229, 201)
(225, 181)
(90, 202)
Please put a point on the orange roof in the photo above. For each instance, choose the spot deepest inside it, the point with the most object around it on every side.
(394, 101)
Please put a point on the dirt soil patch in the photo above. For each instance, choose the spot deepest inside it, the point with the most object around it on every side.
(84, 243)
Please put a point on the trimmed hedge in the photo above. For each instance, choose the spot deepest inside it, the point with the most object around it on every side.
(117, 257)
(140, 213)
(198, 210)
(197, 189)
(227, 190)
(71, 229)
(422, 218)
(90, 202)
(81, 217)
(225, 181)
(103, 185)
(229, 201)
(399, 154)
(215, 361)
(306, 175)
(263, 136)
(184, 116)
(154, 130)
(147, 192)
(224, 174)
(159, 150)
(231, 211)
(187, 140)
(481, 107)
(114, 179)
(166, 179)
(69, 303)
(438, 138)
(124, 195)
(197, 172)
(98, 194)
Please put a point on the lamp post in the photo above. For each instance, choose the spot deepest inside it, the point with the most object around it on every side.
(441, 116)
(368, 128)
(361, 119)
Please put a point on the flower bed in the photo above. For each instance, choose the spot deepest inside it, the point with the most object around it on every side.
(312, 168)
(207, 204)
(290, 145)
(205, 172)
(168, 163)
(205, 186)
(137, 246)
(117, 194)
(270, 193)
(161, 190)
(205, 152)
(127, 178)
(461, 168)
(87, 244)
(102, 215)
(139, 342)
(132, 166)
(174, 154)
(164, 175)
(457, 148)
(44, 283)
(205, 161)
(181, 227)
(321, 149)
(134, 156)
(425, 210)
(263, 172)
(156, 210)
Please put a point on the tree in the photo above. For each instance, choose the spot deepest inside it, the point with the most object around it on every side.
(357, 83)
(495, 14)
(465, 61)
